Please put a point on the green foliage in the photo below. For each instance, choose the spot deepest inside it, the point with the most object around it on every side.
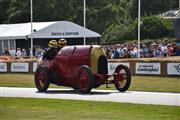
(119, 33)
(114, 19)
(18, 11)
(153, 7)
(152, 27)
(4, 6)
(155, 27)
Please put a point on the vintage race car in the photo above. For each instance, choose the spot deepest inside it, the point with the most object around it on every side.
(82, 68)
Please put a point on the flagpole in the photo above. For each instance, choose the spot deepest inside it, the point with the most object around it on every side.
(84, 22)
(31, 52)
(139, 24)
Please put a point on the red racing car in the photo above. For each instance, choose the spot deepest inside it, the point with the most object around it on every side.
(82, 68)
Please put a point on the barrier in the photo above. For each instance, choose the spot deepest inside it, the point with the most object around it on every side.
(153, 67)
(3, 67)
(158, 67)
(18, 67)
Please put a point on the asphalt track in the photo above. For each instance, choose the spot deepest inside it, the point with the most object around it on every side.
(154, 98)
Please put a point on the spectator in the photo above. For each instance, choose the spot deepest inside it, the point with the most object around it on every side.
(18, 53)
(112, 54)
(164, 49)
(12, 52)
(38, 53)
(170, 50)
(23, 53)
(144, 51)
(157, 51)
(108, 52)
(34, 51)
(177, 49)
(124, 51)
(150, 52)
(130, 50)
(6, 51)
(134, 53)
(116, 53)
(28, 52)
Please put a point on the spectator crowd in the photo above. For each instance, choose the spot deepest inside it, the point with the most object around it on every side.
(24, 53)
(48, 53)
(130, 50)
(113, 51)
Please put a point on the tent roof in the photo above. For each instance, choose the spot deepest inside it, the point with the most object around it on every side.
(57, 29)
(171, 14)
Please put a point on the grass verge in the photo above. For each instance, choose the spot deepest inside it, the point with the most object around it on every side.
(42, 109)
(139, 83)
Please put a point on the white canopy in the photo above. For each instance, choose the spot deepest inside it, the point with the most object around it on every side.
(58, 29)
(171, 14)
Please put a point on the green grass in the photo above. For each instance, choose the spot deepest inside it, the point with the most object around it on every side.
(16, 80)
(139, 83)
(53, 109)
(154, 84)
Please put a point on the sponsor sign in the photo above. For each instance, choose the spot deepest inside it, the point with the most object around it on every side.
(112, 66)
(173, 68)
(34, 66)
(148, 68)
(19, 67)
(64, 33)
(3, 67)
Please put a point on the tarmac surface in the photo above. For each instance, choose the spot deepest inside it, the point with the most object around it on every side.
(155, 98)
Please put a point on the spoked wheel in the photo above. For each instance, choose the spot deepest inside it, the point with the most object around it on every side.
(42, 79)
(122, 78)
(85, 79)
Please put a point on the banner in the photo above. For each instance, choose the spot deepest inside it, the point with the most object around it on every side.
(3, 67)
(173, 68)
(112, 66)
(19, 67)
(34, 66)
(148, 68)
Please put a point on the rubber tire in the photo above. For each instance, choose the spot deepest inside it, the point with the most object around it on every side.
(46, 79)
(86, 69)
(75, 88)
(128, 76)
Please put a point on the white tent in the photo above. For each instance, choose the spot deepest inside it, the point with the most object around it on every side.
(171, 14)
(58, 29)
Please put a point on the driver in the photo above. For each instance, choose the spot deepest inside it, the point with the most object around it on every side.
(62, 43)
(52, 50)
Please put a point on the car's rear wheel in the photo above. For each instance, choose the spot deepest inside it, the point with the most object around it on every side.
(42, 79)
(85, 79)
(122, 78)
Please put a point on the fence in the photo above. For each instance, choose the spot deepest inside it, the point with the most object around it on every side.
(137, 67)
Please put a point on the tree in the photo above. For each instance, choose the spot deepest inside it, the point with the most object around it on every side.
(114, 19)
(4, 6)
(155, 27)
(153, 7)
(18, 11)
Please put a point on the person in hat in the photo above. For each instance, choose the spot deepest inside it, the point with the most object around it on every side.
(52, 50)
(62, 43)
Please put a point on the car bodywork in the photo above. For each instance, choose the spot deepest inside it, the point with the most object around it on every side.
(79, 67)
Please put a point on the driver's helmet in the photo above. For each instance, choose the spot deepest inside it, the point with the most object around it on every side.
(53, 44)
(62, 43)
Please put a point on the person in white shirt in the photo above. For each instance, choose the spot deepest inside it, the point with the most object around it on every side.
(164, 49)
(18, 53)
(12, 52)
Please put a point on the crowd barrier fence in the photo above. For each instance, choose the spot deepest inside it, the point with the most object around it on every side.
(137, 67)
